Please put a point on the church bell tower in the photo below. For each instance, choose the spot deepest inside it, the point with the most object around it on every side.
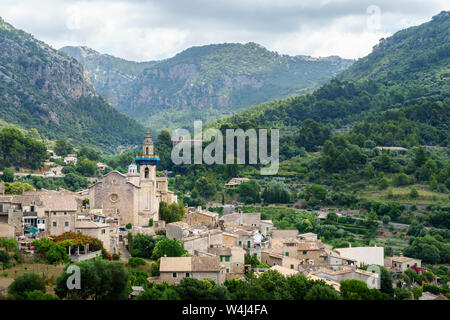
(147, 160)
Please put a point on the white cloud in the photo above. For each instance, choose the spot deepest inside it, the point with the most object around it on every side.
(149, 30)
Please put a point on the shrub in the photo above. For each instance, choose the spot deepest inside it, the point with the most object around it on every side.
(26, 283)
(154, 269)
(413, 194)
(129, 226)
(135, 262)
(39, 295)
(56, 254)
(168, 247)
(4, 256)
(101, 280)
(161, 232)
(417, 292)
(402, 294)
(8, 244)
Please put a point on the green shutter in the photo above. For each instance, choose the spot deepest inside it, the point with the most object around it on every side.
(227, 259)
(287, 254)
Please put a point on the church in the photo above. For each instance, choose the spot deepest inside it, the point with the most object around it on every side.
(133, 197)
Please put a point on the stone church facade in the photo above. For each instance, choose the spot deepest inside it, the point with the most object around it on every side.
(133, 197)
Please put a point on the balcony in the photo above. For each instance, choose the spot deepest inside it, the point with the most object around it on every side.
(30, 214)
(147, 159)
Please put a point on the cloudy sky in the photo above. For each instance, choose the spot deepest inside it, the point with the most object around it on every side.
(156, 29)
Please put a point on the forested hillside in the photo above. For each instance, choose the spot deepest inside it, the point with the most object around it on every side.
(44, 89)
(204, 82)
(397, 95)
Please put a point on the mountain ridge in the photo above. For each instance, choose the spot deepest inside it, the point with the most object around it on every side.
(397, 73)
(44, 89)
(205, 82)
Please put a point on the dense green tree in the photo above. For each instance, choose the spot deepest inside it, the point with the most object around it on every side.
(276, 192)
(171, 213)
(321, 292)
(169, 248)
(8, 175)
(26, 283)
(89, 153)
(193, 289)
(87, 167)
(402, 294)
(250, 190)
(20, 151)
(386, 282)
(143, 245)
(63, 148)
(100, 280)
(205, 187)
(358, 290)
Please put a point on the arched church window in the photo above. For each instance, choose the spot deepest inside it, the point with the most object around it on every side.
(146, 150)
(147, 173)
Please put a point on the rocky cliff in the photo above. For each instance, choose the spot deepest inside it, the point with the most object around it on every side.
(204, 82)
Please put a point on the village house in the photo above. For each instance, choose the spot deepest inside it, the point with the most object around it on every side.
(233, 258)
(336, 285)
(276, 259)
(49, 212)
(71, 159)
(230, 239)
(304, 248)
(173, 269)
(284, 233)
(336, 262)
(312, 253)
(236, 181)
(97, 230)
(200, 217)
(6, 231)
(350, 273)
(241, 219)
(178, 230)
(284, 271)
(266, 227)
(101, 166)
(401, 264)
(60, 212)
(53, 154)
(363, 255)
(307, 236)
(203, 240)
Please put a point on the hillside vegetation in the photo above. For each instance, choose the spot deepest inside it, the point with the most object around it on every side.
(44, 89)
(204, 82)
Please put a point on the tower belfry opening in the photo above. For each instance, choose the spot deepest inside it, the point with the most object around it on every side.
(147, 160)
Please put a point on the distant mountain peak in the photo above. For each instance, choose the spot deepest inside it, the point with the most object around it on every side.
(203, 82)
